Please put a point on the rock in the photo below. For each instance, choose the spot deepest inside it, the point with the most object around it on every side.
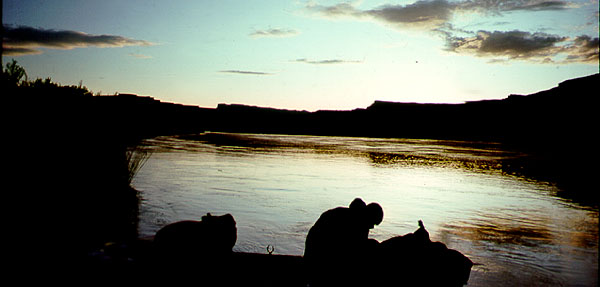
(413, 259)
(191, 241)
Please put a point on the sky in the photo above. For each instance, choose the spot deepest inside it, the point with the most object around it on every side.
(305, 55)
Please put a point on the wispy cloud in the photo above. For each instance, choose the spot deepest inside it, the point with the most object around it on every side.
(520, 45)
(245, 72)
(274, 32)
(338, 10)
(25, 40)
(19, 51)
(494, 6)
(420, 13)
(430, 14)
(326, 62)
(140, 56)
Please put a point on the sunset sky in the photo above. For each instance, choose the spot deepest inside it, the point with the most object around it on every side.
(305, 55)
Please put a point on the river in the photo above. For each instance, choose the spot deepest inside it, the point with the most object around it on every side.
(517, 230)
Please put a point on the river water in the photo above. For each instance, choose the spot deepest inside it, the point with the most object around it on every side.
(516, 230)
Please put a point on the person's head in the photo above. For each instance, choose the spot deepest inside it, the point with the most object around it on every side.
(357, 203)
(374, 214)
(371, 214)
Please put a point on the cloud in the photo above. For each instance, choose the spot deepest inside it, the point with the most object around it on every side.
(245, 72)
(584, 50)
(274, 32)
(436, 16)
(326, 62)
(536, 47)
(25, 40)
(140, 56)
(512, 44)
(420, 13)
(495, 6)
(430, 14)
(342, 9)
(535, 5)
(18, 51)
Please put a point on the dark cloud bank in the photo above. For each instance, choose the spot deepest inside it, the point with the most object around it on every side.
(23, 40)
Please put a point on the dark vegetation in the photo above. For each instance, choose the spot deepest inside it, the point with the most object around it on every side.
(72, 154)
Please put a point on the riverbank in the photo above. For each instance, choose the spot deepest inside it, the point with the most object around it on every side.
(137, 259)
(411, 260)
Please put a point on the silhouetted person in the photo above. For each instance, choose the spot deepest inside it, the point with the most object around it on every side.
(338, 249)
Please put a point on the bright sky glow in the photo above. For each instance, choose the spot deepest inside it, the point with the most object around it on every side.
(305, 55)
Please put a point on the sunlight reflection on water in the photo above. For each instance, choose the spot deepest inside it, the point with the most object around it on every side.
(515, 229)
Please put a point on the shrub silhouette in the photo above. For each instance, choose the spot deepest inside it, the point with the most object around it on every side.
(13, 73)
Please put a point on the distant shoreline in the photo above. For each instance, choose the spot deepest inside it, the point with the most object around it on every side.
(544, 117)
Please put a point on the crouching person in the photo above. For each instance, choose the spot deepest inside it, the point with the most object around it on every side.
(338, 250)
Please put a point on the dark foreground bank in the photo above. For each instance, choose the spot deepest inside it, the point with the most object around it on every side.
(201, 251)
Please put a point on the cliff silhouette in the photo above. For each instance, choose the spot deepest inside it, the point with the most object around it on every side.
(557, 115)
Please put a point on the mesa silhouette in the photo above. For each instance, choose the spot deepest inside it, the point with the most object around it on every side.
(557, 114)
(551, 115)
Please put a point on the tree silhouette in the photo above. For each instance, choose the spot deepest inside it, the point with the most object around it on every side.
(13, 74)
